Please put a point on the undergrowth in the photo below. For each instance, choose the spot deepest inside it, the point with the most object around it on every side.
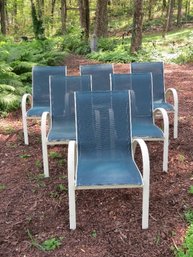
(16, 62)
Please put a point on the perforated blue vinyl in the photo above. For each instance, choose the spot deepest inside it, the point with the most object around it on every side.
(100, 75)
(157, 70)
(62, 105)
(140, 85)
(40, 83)
(104, 140)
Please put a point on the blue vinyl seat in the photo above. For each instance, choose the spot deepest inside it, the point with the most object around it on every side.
(159, 93)
(102, 155)
(100, 75)
(62, 114)
(143, 124)
(40, 98)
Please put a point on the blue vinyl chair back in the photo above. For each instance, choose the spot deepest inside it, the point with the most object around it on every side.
(62, 104)
(141, 91)
(104, 139)
(100, 75)
(40, 83)
(156, 68)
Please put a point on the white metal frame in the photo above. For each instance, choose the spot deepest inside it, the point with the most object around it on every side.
(165, 138)
(175, 106)
(72, 167)
(44, 135)
(24, 115)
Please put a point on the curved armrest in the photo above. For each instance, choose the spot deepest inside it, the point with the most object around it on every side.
(24, 101)
(165, 121)
(145, 159)
(45, 116)
(174, 95)
(71, 161)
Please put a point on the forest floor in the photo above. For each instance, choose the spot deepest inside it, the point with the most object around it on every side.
(34, 209)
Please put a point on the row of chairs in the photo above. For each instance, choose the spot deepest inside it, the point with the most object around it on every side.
(97, 139)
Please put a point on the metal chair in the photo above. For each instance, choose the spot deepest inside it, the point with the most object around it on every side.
(143, 122)
(61, 117)
(102, 155)
(40, 99)
(100, 75)
(159, 93)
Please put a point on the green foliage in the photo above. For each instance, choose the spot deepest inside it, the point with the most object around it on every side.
(186, 250)
(94, 233)
(51, 244)
(20, 67)
(48, 245)
(190, 190)
(16, 62)
(2, 187)
(55, 155)
(189, 216)
(74, 42)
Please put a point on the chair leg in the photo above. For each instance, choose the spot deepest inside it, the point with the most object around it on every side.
(72, 205)
(25, 131)
(165, 155)
(45, 158)
(71, 185)
(176, 124)
(145, 207)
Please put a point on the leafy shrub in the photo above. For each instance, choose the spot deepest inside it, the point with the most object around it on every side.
(74, 42)
(20, 67)
(186, 250)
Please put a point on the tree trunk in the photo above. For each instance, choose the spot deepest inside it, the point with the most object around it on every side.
(136, 39)
(101, 22)
(150, 9)
(168, 20)
(37, 21)
(63, 16)
(187, 9)
(3, 17)
(53, 2)
(84, 17)
(179, 14)
(170, 17)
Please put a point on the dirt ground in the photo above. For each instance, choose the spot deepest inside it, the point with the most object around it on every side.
(34, 209)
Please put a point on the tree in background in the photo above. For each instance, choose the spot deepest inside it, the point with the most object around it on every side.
(136, 39)
(84, 17)
(37, 19)
(179, 13)
(3, 17)
(63, 16)
(101, 21)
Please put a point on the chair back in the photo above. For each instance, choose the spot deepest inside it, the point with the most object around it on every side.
(157, 70)
(100, 75)
(103, 126)
(62, 98)
(141, 87)
(40, 83)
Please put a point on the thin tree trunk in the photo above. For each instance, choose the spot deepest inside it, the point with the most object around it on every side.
(53, 2)
(179, 14)
(171, 11)
(63, 15)
(3, 17)
(101, 22)
(150, 9)
(136, 39)
(84, 17)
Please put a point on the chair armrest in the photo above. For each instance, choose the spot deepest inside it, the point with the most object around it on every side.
(71, 162)
(174, 95)
(145, 159)
(45, 116)
(24, 101)
(165, 121)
